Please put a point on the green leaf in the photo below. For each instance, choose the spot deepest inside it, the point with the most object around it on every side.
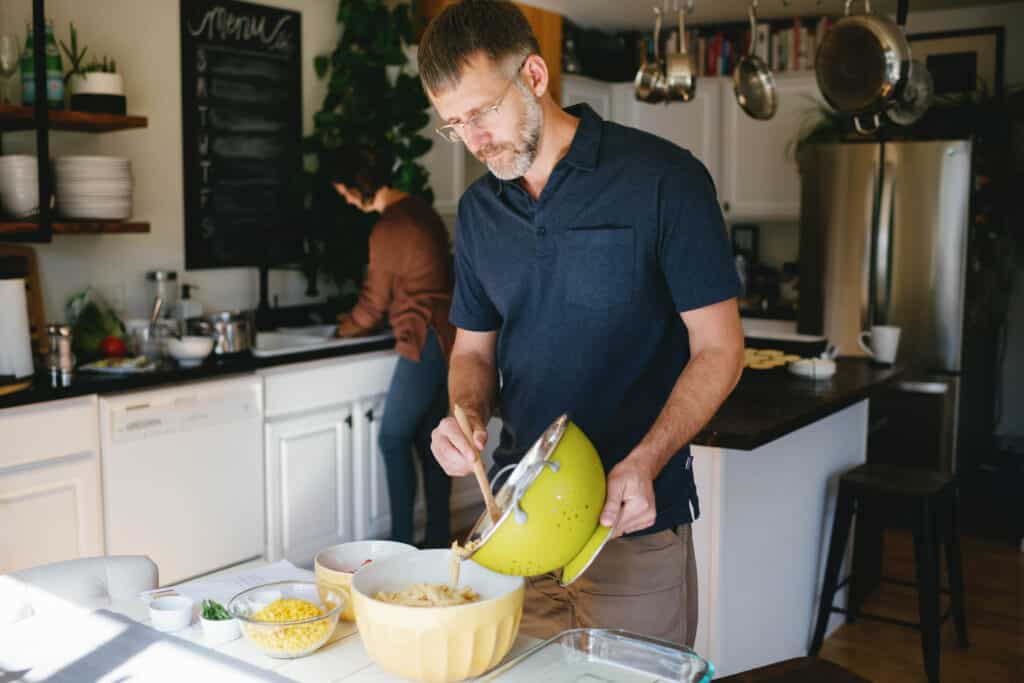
(320, 64)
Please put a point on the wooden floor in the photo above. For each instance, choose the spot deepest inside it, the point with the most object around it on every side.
(994, 587)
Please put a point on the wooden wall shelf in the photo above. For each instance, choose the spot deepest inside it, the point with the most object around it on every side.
(13, 229)
(22, 118)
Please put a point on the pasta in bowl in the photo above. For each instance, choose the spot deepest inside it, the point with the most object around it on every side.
(414, 628)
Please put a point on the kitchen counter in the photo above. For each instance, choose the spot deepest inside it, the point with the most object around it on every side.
(767, 468)
(768, 404)
(86, 383)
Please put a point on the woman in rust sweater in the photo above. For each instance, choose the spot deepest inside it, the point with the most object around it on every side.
(409, 281)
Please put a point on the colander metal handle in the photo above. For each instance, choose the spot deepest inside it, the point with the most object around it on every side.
(496, 477)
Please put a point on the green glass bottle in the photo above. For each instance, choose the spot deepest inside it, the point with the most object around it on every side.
(28, 74)
(54, 71)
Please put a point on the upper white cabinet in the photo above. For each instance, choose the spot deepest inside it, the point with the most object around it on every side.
(50, 506)
(750, 161)
(694, 126)
(446, 163)
(759, 177)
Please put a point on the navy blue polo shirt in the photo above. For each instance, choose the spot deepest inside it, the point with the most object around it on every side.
(584, 287)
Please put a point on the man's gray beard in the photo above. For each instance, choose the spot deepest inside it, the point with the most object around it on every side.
(530, 126)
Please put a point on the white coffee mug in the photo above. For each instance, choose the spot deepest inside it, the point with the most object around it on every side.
(883, 340)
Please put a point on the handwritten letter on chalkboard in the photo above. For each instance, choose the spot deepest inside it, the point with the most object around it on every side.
(242, 132)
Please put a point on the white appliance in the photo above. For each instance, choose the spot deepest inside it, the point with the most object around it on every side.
(183, 475)
(15, 342)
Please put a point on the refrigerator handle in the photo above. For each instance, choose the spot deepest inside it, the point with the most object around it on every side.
(883, 244)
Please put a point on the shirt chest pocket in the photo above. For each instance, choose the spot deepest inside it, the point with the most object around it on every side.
(599, 264)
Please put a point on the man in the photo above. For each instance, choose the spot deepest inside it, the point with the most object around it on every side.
(594, 277)
(409, 280)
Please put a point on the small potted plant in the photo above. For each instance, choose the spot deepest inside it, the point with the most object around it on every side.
(95, 87)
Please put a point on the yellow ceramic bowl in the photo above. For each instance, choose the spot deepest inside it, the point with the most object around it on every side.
(562, 507)
(436, 644)
(336, 565)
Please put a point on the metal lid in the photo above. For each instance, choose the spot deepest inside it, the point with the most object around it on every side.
(515, 487)
(161, 275)
(58, 330)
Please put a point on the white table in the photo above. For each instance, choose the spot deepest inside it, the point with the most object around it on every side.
(343, 658)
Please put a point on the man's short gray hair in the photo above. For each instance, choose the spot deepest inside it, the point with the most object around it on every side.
(495, 28)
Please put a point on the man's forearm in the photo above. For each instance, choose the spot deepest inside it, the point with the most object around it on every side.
(472, 384)
(703, 385)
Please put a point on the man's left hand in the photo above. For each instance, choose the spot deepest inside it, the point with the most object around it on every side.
(631, 488)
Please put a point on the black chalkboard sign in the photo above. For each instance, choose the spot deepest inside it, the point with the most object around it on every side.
(242, 132)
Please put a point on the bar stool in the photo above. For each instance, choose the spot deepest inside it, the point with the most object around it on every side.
(928, 502)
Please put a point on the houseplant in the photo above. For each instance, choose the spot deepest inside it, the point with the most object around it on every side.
(373, 97)
(96, 86)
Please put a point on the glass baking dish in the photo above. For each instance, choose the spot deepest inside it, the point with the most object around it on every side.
(589, 655)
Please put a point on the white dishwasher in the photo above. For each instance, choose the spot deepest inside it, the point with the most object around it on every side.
(183, 475)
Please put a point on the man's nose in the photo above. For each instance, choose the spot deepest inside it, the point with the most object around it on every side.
(475, 138)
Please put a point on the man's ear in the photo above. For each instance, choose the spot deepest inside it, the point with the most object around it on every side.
(535, 70)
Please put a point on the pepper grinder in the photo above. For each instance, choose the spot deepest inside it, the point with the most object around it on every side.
(60, 360)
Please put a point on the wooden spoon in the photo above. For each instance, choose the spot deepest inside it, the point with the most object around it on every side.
(478, 465)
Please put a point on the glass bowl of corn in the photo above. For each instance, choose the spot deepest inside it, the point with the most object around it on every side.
(288, 619)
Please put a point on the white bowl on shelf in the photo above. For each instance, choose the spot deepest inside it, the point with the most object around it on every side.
(189, 351)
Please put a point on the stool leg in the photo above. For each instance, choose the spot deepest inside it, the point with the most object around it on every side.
(927, 590)
(954, 569)
(868, 541)
(836, 550)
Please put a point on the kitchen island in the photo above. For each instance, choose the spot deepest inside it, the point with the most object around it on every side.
(767, 468)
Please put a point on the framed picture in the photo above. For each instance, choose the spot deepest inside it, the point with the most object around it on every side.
(964, 61)
(745, 241)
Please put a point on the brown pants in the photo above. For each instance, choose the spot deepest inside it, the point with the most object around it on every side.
(646, 584)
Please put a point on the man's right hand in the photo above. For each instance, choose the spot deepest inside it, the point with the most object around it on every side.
(451, 448)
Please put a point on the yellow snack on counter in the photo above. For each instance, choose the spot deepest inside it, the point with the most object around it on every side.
(288, 639)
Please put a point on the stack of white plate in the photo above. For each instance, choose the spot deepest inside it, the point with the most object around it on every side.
(93, 187)
(19, 185)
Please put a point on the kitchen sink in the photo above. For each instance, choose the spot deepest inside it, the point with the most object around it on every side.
(303, 339)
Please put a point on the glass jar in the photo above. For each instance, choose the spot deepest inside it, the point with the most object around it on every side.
(164, 284)
(59, 359)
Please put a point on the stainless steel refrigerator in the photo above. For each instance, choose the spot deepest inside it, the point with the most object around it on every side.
(884, 241)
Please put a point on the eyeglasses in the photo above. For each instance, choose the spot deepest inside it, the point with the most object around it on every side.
(453, 131)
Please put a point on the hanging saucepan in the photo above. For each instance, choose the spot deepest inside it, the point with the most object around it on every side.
(861, 62)
(650, 78)
(914, 98)
(680, 70)
(752, 80)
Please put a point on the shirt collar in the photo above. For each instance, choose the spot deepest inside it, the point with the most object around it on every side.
(586, 143)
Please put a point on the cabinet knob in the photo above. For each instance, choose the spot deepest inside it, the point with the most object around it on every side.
(369, 415)
(348, 421)
(725, 207)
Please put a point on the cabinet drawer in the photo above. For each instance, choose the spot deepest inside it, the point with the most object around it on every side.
(309, 386)
(49, 430)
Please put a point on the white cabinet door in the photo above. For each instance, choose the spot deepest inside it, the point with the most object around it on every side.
(50, 505)
(579, 89)
(693, 125)
(309, 483)
(759, 173)
(373, 509)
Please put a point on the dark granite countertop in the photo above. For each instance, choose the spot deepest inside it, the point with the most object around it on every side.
(86, 383)
(767, 404)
